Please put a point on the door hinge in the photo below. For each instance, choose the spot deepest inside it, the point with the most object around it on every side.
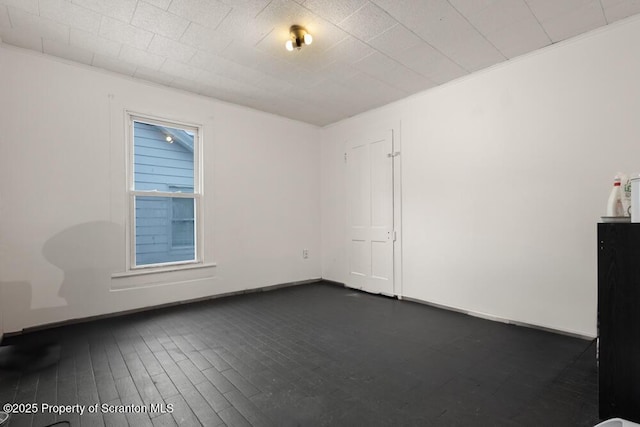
(395, 235)
(394, 154)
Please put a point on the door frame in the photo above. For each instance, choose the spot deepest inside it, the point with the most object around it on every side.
(395, 128)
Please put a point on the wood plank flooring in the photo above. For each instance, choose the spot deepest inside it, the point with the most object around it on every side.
(311, 355)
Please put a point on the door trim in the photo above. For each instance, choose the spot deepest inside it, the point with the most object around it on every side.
(397, 210)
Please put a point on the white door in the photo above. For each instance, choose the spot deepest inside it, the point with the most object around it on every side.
(370, 212)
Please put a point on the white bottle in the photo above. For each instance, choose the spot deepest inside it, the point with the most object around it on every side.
(614, 205)
(635, 199)
(625, 185)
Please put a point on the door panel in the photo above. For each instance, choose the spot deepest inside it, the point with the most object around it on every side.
(359, 258)
(380, 268)
(359, 189)
(381, 184)
(370, 212)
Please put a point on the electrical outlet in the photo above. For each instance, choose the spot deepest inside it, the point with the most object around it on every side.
(305, 253)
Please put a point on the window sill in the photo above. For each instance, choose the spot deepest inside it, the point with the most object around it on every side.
(159, 270)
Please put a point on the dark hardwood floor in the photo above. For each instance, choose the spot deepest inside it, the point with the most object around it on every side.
(311, 355)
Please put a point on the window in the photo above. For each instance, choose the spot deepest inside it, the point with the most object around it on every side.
(164, 192)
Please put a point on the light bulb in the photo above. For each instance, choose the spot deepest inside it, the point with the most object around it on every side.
(308, 39)
(289, 45)
(169, 139)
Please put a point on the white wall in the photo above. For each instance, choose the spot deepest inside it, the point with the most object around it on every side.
(63, 201)
(504, 176)
(1, 320)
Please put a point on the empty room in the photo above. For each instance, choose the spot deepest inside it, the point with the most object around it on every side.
(319, 213)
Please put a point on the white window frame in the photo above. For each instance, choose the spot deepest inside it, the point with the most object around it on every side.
(197, 194)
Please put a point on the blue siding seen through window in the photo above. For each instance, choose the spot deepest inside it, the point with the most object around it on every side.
(164, 226)
(182, 222)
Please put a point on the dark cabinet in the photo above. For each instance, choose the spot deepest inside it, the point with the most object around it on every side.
(619, 320)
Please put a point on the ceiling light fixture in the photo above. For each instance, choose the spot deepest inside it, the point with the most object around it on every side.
(298, 37)
(169, 139)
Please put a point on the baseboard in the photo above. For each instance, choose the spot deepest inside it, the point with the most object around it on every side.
(480, 315)
(280, 286)
(500, 319)
(159, 306)
(333, 283)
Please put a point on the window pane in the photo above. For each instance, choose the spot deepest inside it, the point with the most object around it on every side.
(182, 234)
(182, 225)
(162, 158)
(160, 236)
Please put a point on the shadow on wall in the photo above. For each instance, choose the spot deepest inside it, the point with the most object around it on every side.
(87, 254)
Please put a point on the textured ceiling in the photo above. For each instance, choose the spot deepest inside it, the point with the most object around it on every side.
(365, 53)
